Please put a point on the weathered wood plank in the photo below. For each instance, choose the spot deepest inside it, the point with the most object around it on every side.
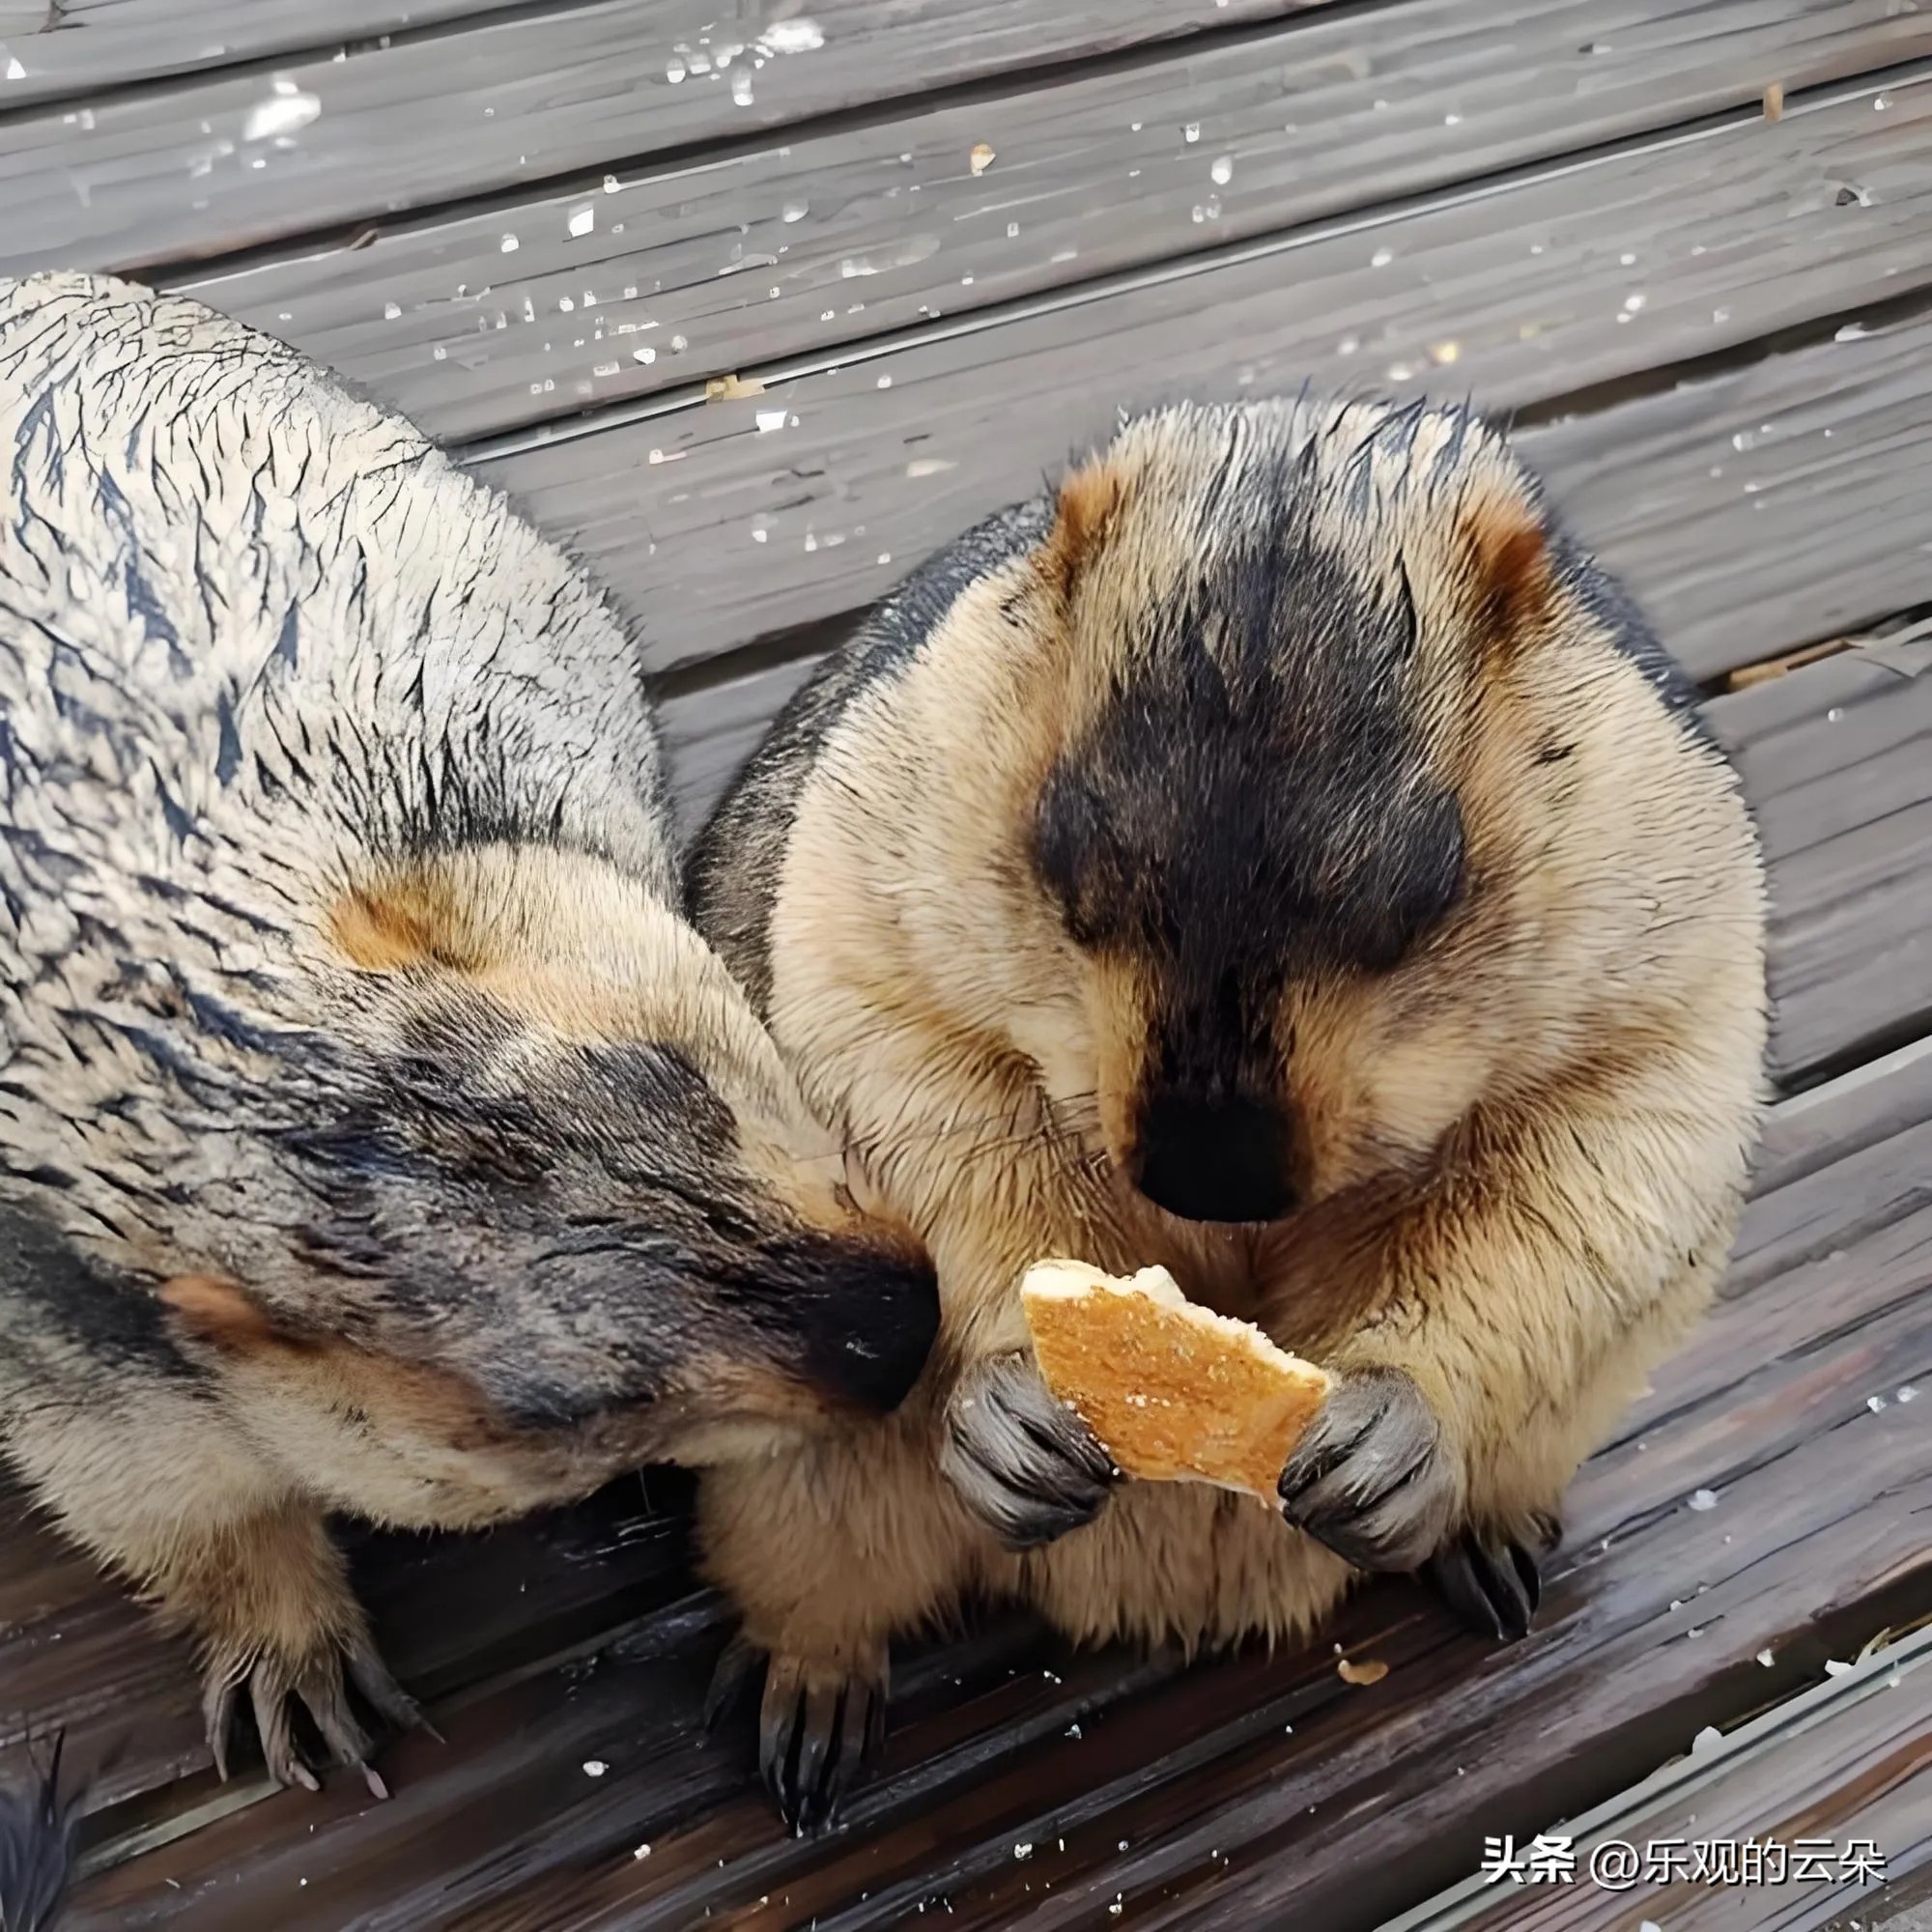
(1815, 1493)
(1837, 759)
(708, 733)
(533, 94)
(66, 47)
(724, 523)
(1765, 508)
(689, 272)
(1847, 1762)
(79, 1654)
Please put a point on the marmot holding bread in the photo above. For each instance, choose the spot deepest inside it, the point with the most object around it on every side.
(1279, 854)
(375, 1133)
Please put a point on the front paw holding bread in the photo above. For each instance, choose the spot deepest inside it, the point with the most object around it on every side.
(1371, 1478)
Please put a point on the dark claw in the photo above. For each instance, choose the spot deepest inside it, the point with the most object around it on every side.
(218, 1716)
(814, 1742)
(325, 1701)
(1021, 1460)
(1369, 1479)
(323, 1690)
(268, 1691)
(1493, 1587)
(734, 1677)
(386, 1697)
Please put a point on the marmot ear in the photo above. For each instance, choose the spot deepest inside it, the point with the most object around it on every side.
(1510, 571)
(1088, 501)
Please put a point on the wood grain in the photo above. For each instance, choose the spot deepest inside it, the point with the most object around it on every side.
(1197, 1772)
(79, 1655)
(532, 93)
(1837, 760)
(1849, 1761)
(724, 523)
(782, 250)
(79, 47)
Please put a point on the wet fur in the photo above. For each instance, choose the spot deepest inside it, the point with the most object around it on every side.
(375, 1134)
(1289, 774)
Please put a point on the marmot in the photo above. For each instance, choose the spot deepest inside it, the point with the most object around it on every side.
(376, 1134)
(1283, 854)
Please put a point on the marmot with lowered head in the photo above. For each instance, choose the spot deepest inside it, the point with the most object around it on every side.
(375, 1133)
(1282, 855)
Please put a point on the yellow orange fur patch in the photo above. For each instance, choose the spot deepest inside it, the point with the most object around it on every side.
(380, 933)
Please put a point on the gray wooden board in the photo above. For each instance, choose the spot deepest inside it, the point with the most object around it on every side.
(1840, 1763)
(724, 522)
(1838, 763)
(1850, 1772)
(1769, 506)
(81, 46)
(780, 249)
(534, 93)
(1252, 1776)
(708, 733)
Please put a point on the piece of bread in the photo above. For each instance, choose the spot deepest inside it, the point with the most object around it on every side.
(1173, 1390)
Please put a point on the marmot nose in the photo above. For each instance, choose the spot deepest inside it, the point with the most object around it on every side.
(1214, 1160)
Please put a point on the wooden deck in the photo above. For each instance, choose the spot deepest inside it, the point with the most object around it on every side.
(544, 228)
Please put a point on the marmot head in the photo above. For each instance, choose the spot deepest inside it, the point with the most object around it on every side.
(1311, 679)
(597, 1136)
(346, 992)
(528, 1140)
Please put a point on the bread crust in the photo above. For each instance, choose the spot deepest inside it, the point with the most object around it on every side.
(1174, 1391)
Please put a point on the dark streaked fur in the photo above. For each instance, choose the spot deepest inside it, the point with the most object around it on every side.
(375, 1134)
(1297, 864)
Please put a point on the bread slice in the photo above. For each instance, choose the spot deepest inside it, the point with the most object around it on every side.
(1173, 1390)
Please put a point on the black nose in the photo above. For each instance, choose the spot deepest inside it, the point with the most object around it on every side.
(870, 1336)
(1214, 1160)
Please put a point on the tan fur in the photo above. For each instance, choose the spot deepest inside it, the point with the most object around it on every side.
(1520, 1152)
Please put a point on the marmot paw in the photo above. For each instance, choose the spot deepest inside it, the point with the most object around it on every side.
(1019, 1458)
(320, 1681)
(819, 1727)
(1370, 1478)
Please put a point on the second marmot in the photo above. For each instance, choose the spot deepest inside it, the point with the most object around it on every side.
(1280, 853)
